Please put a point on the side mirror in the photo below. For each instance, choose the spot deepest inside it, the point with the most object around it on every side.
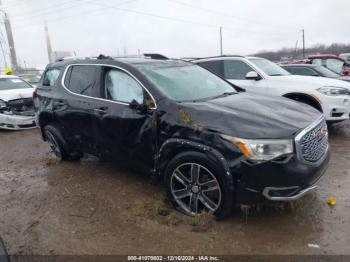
(139, 108)
(252, 75)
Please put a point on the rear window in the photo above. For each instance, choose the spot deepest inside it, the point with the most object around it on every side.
(13, 83)
(216, 66)
(82, 80)
(51, 76)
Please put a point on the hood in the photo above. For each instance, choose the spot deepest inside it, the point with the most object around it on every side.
(252, 116)
(11, 94)
(309, 80)
(345, 78)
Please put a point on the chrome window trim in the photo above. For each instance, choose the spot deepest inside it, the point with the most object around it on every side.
(241, 59)
(102, 99)
(301, 135)
(301, 193)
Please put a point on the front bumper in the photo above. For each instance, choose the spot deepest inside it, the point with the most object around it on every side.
(16, 122)
(335, 108)
(281, 180)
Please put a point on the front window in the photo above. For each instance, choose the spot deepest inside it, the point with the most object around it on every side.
(186, 82)
(13, 83)
(121, 87)
(326, 72)
(235, 69)
(268, 67)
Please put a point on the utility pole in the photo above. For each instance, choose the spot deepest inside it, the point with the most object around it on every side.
(220, 41)
(2, 42)
(3, 51)
(11, 42)
(48, 43)
(303, 43)
(296, 49)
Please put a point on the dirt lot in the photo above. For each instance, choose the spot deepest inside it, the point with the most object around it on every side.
(48, 207)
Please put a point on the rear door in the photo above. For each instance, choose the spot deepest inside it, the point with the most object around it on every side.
(127, 134)
(303, 71)
(78, 108)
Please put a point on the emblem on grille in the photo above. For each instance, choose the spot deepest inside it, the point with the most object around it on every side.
(321, 134)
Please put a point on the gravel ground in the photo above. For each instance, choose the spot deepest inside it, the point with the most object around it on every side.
(50, 207)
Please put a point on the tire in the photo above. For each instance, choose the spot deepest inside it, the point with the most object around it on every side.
(58, 144)
(3, 252)
(211, 176)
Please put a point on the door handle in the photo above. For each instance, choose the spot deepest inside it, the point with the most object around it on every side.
(101, 111)
(59, 104)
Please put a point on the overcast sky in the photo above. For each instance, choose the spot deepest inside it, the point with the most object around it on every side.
(176, 28)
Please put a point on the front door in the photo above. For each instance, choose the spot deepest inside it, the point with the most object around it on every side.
(127, 133)
(235, 71)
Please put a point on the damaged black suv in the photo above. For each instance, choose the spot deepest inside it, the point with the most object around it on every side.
(213, 144)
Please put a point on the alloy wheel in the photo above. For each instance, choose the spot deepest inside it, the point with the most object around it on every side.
(53, 143)
(195, 189)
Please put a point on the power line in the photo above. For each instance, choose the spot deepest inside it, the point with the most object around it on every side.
(106, 6)
(172, 18)
(49, 10)
(19, 16)
(224, 14)
(61, 18)
(23, 2)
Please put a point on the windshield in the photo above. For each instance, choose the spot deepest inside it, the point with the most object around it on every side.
(268, 67)
(186, 82)
(32, 79)
(13, 83)
(326, 72)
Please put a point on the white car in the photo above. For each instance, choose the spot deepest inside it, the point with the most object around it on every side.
(330, 96)
(16, 104)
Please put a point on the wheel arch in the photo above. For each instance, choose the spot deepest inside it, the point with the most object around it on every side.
(303, 96)
(44, 119)
(173, 147)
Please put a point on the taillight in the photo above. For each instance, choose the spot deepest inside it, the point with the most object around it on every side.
(34, 93)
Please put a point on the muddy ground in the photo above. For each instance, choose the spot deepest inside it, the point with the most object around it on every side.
(49, 207)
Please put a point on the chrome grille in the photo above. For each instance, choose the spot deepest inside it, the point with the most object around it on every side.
(314, 144)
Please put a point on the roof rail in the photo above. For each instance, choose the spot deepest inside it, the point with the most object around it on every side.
(66, 58)
(101, 57)
(218, 56)
(156, 56)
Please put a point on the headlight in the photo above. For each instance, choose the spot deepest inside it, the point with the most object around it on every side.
(2, 104)
(333, 91)
(262, 149)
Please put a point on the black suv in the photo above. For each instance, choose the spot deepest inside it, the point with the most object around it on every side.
(213, 144)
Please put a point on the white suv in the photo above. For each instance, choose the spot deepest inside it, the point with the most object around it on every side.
(259, 75)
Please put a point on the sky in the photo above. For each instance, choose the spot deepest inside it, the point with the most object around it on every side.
(175, 28)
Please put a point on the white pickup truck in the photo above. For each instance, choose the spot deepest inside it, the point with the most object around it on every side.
(330, 96)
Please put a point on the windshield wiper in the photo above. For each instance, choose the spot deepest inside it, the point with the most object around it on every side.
(208, 98)
(224, 95)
